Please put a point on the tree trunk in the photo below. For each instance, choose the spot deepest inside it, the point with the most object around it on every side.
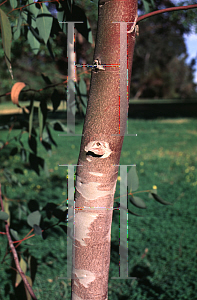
(100, 151)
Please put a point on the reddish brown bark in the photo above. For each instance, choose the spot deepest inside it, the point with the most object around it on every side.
(99, 153)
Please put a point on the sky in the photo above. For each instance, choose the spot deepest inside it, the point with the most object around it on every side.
(191, 44)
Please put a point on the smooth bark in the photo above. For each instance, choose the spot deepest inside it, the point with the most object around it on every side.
(100, 154)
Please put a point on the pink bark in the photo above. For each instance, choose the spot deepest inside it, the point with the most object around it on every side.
(99, 153)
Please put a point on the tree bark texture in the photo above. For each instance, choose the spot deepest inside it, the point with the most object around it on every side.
(99, 156)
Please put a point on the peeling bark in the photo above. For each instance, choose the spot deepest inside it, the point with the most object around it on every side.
(99, 156)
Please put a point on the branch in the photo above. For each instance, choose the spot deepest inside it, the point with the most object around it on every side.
(16, 256)
(48, 86)
(161, 11)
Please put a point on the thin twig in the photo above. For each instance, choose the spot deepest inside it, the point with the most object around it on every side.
(161, 11)
(16, 256)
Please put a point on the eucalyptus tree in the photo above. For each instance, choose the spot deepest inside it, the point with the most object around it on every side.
(103, 131)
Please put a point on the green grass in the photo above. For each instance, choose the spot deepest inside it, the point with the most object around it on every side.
(165, 154)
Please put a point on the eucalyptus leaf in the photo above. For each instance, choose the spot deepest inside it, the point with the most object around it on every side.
(160, 200)
(137, 201)
(3, 216)
(132, 179)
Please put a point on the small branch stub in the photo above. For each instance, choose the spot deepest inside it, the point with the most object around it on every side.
(97, 65)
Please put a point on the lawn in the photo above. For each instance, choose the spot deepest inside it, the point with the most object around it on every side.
(162, 248)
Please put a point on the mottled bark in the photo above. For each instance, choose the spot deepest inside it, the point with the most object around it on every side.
(99, 153)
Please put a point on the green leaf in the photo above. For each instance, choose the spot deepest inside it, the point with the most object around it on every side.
(132, 179)
(55, 99)
(17, 31)
(61, 16)
(47, 146)
(46, 79)
(57, 125)
(44, 22)
(50, 136)
(78, 14)
(90, 39)
(131, 212)
(23, 266)
(31, 117)
(71, 108)
(34, 218)
(35, 161)
(14, 234)
(32, 144)
(33, 265)
(23, 154)
(83, 94)
(40, 117)
(149, 5)
(38, 230)
(28, 18)
(160, 200)
(137, 201)
(32, 8)
(13, 3)
(3, 216)
(6, 35)
(34, 43)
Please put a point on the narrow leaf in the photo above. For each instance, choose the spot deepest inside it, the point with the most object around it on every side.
(137, 201)
(14, 234)
(50, 136)
(132, 179)
(23, 266)
(34, 163)
(17, 31)
(32, 263)
(32, 144)
(34, 43)
(90, 38)
(83, 94)
(56, 99)
(47, 146)
(131, 212)
(23, 155)
(6, 210)
(46, 79)
(31, 117)
(26, 290)
(40, 117)
(44, 23)
(58, 126)
(6, 35)
(160, 200)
